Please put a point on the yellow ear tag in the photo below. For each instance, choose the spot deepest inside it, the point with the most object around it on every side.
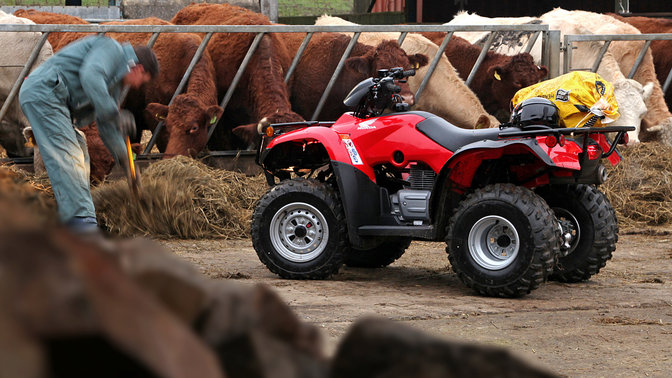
(497, 76)
(213, 120)
(416, 65)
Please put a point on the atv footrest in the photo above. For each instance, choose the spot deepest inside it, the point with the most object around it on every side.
(423, 232)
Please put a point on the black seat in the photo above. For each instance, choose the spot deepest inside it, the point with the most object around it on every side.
(452, 137)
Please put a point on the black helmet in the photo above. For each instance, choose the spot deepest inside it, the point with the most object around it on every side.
(535, 111)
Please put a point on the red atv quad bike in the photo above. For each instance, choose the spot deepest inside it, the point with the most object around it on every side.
(515, 204)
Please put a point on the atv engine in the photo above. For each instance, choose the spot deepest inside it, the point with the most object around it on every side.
(411, 204)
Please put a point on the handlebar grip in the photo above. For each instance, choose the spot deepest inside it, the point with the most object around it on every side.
(390, 86)
(408, 73)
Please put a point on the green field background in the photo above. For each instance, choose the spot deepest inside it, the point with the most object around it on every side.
(286, 8)
(290, 8)
(89, 3)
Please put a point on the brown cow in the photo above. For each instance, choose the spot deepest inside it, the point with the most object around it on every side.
(188, 118)
(191, 114)
(661, 50)
(57, 40)
(262, 92)
(319, 61)
(498, 78)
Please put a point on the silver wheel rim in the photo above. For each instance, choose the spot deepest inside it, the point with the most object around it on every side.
(299, 232)
(570, 231)
(493, 242)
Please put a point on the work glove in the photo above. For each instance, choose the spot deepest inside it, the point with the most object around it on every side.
(126, 123)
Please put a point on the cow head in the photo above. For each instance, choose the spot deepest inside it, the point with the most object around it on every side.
(387, 55)
(631, 97)
(519, 71)
(187, 121)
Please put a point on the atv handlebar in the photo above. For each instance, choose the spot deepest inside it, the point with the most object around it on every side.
(388, 84)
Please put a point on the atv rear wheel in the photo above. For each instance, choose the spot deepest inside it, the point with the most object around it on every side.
(298, 230)
(589, 230)
(502, 240)
(378, 257)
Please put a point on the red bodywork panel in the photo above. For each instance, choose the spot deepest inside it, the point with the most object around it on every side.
(566, 156)
(365, 143)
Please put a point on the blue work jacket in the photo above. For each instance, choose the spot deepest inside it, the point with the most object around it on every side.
(89, 74)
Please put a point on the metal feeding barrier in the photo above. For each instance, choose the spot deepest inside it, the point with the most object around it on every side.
(550, 51)
(571, 40)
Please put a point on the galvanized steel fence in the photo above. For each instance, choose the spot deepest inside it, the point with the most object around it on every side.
(571, 40)
(550, 49)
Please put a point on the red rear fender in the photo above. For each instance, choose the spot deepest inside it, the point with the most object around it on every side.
(526, 159)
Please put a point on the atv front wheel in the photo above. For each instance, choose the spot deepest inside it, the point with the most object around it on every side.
(298, 230)
(380, 256)
(502, 240)
(589, 230)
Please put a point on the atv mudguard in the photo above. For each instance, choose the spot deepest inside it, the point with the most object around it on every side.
(332, 142)
(462, 166)
(361, 197)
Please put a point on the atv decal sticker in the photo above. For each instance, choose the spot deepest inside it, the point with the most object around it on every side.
(366, 125)
(352, 150)
(562, 95)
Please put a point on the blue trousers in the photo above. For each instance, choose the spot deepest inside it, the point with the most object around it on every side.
(63, 147)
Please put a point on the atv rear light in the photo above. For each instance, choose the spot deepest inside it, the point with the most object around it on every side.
(594, 152)
(551, 141)
(269, 131)
(625, 139)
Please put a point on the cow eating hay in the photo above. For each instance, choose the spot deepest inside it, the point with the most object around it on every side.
(181, 197)
(640, 188)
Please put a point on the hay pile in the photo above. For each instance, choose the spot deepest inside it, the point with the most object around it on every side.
(181, 197)
(640, 187)
(34, 192)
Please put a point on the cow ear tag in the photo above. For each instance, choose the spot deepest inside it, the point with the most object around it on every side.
(157, 116)
(497, 76)
(213, 120)
(416, 65)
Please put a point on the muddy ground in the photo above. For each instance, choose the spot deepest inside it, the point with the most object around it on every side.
(617, 324)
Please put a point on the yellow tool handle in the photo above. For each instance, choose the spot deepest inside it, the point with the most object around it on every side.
(131, 163)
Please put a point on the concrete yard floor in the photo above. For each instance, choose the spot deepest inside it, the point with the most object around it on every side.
(619, 323)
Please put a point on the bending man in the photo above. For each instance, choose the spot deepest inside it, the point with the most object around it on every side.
(80, 83)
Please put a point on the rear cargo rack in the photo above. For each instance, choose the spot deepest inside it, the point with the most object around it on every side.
(567, 131)
(575, 130)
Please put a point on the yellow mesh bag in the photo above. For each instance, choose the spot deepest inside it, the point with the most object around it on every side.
(579, 95)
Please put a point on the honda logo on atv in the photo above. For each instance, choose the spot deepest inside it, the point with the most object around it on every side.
(366, 125)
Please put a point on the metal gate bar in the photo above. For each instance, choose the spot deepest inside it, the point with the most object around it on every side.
(600, 55)
(180, 88)
(479, 60)
(152, 39)
(402, 37)
(297, 57)
(17, 84)
(569, 39)
(237, 77)
(666, 86)
(531, 42)
(639, 59)
(334, 76)
(432, 66)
